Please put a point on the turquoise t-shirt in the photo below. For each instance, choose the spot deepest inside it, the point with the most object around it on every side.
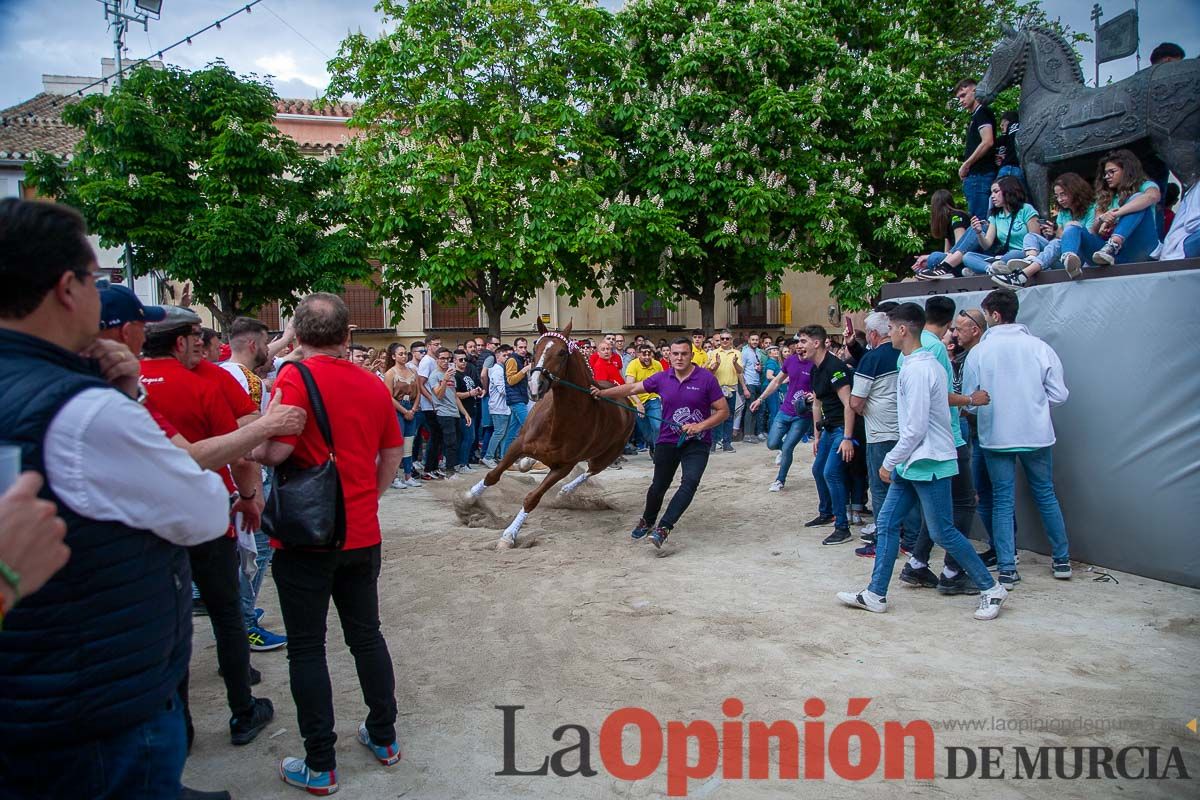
(1065, 216)
(934, 345)
(1010, 230)
(772, 366)
(927, 469)
(1116, 202)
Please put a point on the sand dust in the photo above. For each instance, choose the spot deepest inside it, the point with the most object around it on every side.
(579, 622)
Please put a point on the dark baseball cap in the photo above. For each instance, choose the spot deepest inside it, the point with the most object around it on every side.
(173, 317)
(118, 305)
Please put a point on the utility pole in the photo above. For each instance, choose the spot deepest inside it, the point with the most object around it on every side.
(1097, 13)
(1137, 15)
(118, 16)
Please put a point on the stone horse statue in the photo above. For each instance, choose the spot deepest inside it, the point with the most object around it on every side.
(1063, 120)
(564, 427)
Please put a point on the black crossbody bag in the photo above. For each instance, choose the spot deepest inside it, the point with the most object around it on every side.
(306, 507)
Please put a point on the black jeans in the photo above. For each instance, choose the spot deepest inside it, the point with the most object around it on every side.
(433, 450)
(306, 580)
(693, 457)
(449, 426)
(962, 488)
(215, 573)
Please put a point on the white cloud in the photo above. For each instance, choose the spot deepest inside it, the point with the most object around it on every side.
(285, 67)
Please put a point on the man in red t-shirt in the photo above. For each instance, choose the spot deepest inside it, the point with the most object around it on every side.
(605, 364)
(196, 408)
(368, 446)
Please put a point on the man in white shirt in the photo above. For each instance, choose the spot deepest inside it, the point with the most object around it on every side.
(1024, 377)
(919, 468)
(92, 663)
(497, 406)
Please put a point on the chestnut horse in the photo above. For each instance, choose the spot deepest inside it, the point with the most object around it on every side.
(565, 426)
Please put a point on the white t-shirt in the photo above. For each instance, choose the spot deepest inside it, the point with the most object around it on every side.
(235, 370)
(426, 370)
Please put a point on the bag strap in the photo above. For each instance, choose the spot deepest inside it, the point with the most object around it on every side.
(318, 405)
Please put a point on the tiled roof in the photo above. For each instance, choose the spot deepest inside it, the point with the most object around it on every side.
(310, 108)
(36, 125)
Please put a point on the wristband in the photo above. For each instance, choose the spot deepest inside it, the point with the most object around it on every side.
(250, 496)
(12, 578)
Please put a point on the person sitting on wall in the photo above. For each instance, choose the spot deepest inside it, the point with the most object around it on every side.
(1075, 200)
(1124, 231)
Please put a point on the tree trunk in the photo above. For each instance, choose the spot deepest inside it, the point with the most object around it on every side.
(495, 313)
(708, 302)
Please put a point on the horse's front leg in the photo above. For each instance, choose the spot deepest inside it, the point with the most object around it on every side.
(575, 484)
(509, 537)
(493, 477)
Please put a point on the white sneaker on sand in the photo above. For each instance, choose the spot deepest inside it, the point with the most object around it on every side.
(777, 486)
(412, 482)
(490, 463)
(990, 602)
(778, 459)
(866, 599)
(399, 483)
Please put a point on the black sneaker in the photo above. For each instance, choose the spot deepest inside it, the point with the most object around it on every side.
(640, 531)
(1015, 280)
(839, 536)
(988, 557)
(243, 729)
(868, 538)
(959, 584)
(819, 521)
(866, 551)
(255, 676)
(935, 274)
(1009, 579)
(1062, 569)
(659, 536)
(922, 578)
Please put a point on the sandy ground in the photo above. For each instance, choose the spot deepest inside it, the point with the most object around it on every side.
(582, 622)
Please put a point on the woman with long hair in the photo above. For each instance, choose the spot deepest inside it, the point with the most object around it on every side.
(946, 223)
(1076, 207)
(1124, 229)
(1009, 219)
(401, 381)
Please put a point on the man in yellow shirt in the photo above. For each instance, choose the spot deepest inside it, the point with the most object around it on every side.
(726, 364)
(648, 404)
(699, 356)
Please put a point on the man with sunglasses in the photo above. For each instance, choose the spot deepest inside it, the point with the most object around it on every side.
(726, 364)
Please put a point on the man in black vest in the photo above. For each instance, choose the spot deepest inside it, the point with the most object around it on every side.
(90, 665)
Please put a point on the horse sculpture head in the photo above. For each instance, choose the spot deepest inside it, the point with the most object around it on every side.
(551, 353)
(1007, 65)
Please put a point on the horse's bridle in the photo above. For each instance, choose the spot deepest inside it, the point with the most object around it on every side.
(569, 346)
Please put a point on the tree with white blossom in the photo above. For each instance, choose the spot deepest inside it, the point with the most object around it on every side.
(792, 135)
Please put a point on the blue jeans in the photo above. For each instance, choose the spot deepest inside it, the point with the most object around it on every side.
(979, 262)
(248, 587)
(1039, 474)
(494, 449)
(723, 435)
(773, 401)
(409, 428)
(516, 418)
(1016, 172)
(786, 433)
(1191, 246)
(1137, 230)
(977, 189)
(934, 499)
(983, 490)
(143, 761)
(466, 438)
(968, 244)
(650, 424)
(829, 474)
(910, 528)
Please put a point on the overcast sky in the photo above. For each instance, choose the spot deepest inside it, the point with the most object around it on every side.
(293, 39)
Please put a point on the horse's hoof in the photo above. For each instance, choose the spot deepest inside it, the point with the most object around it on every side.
(505, 543)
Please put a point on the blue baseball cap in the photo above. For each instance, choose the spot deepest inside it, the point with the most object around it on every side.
(118, 305)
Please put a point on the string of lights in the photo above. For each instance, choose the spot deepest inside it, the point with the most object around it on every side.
(159, 54)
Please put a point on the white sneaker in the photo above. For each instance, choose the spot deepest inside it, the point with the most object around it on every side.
(399, 483)
(462, 469)
(778, 459)
(867, 530)
(490, 463)
(865, 599)
(990, 602)
(777, 486)
(413, 483)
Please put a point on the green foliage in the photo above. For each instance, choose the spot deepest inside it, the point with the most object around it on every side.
(481, 172)
(793, 135)
(189, 168)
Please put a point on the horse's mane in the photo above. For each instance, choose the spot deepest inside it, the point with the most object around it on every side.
(1058, 41)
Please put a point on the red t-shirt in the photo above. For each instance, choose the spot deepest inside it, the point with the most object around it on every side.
(606, 370)
(237, 398)
(193, 405)
(363, 422)
(167, 428)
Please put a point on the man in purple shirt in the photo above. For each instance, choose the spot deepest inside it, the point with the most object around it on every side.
(692, 405)
(789, 427)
